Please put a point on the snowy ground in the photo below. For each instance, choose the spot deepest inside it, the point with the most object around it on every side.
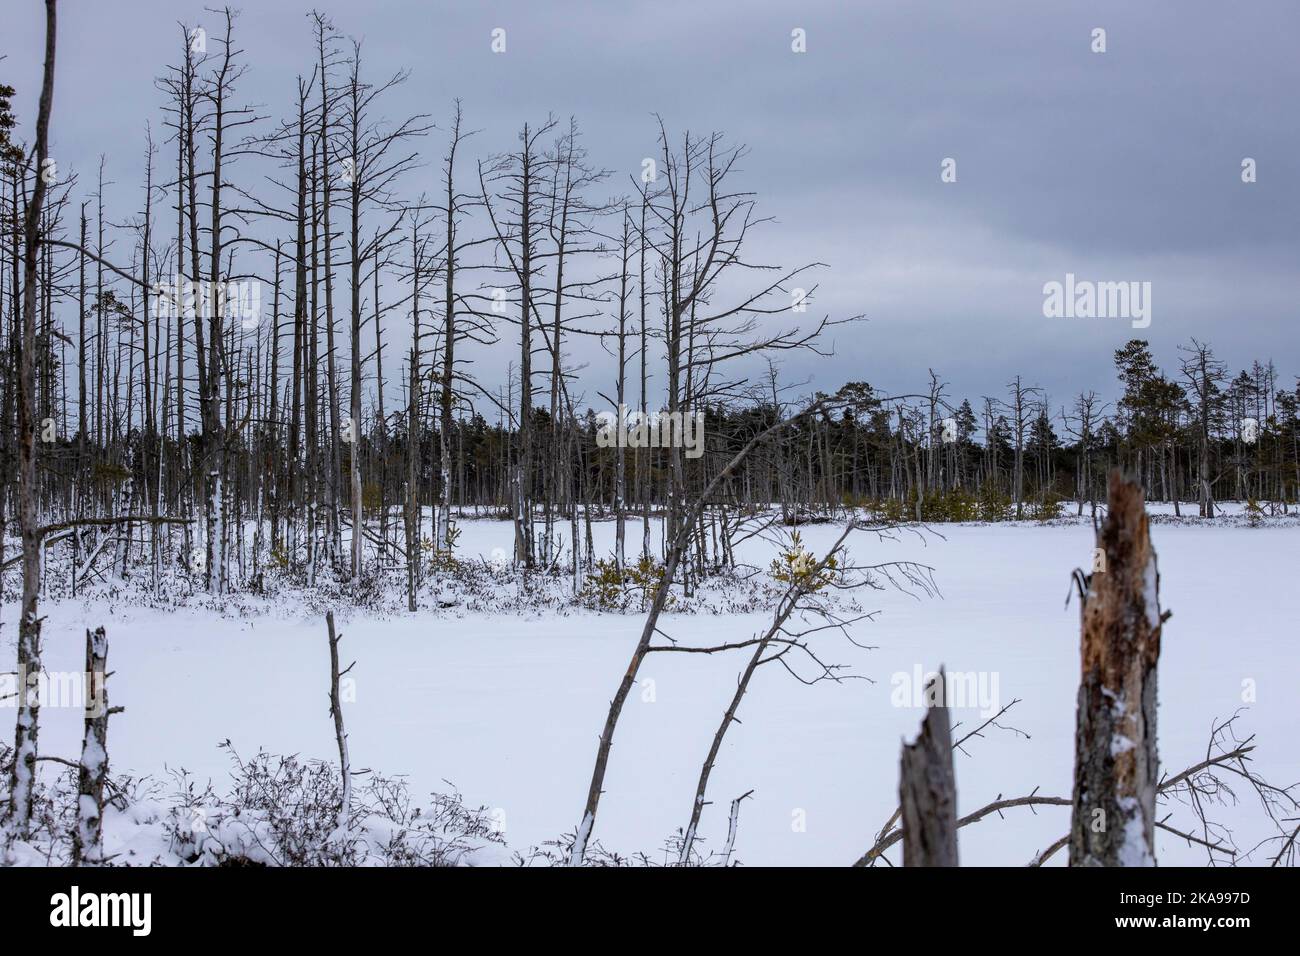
(508, 709)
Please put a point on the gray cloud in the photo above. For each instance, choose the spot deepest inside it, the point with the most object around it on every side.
(1123, 165)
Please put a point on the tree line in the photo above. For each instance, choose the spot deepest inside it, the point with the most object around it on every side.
(212, 386)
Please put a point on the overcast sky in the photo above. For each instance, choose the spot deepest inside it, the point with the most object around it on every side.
(1115, 166)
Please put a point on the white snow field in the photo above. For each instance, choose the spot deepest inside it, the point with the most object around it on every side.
(509, 708)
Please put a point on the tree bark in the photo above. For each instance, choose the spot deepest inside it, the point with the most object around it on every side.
(27, 724)
(927, 788)
(1115, 770)
(340, 735)
(88, 837)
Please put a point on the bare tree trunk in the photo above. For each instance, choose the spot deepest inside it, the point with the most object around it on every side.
(1115, 768)
(672, 559)
(413, 431)
(446, 395)
(214, 432)
(620, 461)
(336, 711)
(927, 787)
(88, 837)
(297, 388)
(354, 413)
(785, 607)
(334, 453)
(27, 723)
(524, 552)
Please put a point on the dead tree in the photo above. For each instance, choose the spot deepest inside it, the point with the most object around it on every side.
(672, 560)
(452, 213)
(620, 395)
(802, 583)
(373, 161)
(411, 513)
(336, 712)
(1083, 425)
(22, 776)
(927, 787)
(88, 837)
(891, 833)
(518, 178)
(460, 323)
(1205, 376)
(699, 224)
(213, 437)
(1115, 765)
(1019, 408)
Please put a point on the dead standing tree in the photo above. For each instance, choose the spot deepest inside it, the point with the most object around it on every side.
(699, 224)
(88, 837)
(215, 435)
(808, 580)
(672, 559)
(411, 509)
(340, 735)
(804, 580)
(1115, 775)
(1083, 422)
(679, 545)
(927, 787)
(1022, 397)
(23, 774)
(1205, 376)
(519, 179)
(372, 162)
(452, 332)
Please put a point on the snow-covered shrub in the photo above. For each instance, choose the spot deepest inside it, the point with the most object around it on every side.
(283, 811)
(955, 504)
(892, 510)
(797, 566)
(279, 811)
(993, 504)
(1254, 513)
(556, 853)
(630, 588)
(1049, 508)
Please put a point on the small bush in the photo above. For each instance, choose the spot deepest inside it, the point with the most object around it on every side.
(993, 505)
(610, 588)
(1048, 508)
(283, 811)
(797, 566)
(955, 504)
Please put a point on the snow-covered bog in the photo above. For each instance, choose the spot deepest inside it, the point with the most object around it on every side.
(508, 704)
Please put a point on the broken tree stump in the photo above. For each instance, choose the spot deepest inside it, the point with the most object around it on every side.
(88, 837)
(927, 787)
(1115, 763)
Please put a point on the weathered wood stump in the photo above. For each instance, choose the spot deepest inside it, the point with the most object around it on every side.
(1115, 763)
(927, 787)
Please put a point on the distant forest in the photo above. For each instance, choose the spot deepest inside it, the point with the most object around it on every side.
(270, 417)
